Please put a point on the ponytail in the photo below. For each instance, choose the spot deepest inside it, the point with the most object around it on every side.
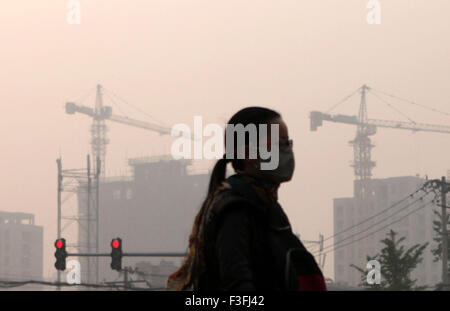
(186, 276)
(218, 175)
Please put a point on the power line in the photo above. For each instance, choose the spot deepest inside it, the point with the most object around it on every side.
(375, 224)
(12, 284)
(377, 214)
(382, 228)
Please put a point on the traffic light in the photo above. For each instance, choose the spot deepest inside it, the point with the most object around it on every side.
(116, 254)
(60, 254)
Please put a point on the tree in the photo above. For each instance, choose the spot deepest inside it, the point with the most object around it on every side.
(437, 251)
(396, 263)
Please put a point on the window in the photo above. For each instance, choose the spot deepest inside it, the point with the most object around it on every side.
(116, 194)
(339, 211)
(26, 249)
(26, 235)
(25, 262)
(393, 189)
(129, 194)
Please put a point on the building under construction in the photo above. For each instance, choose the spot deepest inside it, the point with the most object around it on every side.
(152, 210)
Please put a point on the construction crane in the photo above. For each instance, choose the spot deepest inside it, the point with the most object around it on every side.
(100, 114)
(366, 127)
(89, 218)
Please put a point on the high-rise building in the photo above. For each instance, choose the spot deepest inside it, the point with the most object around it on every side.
(21, 247)
(416, 228)
(152, 210)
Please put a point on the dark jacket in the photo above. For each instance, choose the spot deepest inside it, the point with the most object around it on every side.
(250, 246)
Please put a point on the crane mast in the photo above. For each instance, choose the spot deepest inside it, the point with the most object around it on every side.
(98, 131)
(99, 115)
(362, 147)
(366, 127)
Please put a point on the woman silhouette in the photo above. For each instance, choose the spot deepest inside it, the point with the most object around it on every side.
(241, 238)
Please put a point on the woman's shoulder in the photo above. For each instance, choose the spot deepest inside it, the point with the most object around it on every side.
(227, 199)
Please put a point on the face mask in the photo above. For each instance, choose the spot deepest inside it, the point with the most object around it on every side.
(285, 169)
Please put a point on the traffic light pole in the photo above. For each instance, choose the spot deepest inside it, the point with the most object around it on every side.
(85, 184)
(444, 187)
(128, 254)
(116, 255)
(58, 233)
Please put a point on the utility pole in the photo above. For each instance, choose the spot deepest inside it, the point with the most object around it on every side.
(444, 190)
(125, 278)
(58, 233)
(321, 257)
(88, 216)
(97, 219)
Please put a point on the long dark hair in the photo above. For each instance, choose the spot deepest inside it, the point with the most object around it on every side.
(193, 264)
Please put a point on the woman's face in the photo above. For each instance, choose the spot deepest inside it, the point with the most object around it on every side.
(252, 165)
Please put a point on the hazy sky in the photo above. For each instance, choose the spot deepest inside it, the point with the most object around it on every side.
(175, 59)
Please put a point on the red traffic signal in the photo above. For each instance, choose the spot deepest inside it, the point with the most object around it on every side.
(60, 254)
(59, 244)
(115, 243)
(116, 254)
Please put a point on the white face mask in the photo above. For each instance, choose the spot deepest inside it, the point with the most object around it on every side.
(285, 169)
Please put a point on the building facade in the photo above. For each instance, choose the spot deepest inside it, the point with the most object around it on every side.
(352, 246)
(152, 210)
(21, 247)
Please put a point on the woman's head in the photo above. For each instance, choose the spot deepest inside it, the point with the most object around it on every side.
(272, 143)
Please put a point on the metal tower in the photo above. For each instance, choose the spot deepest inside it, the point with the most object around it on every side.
(85, 184)
(100, 114)
(99, 129)
(362, 146)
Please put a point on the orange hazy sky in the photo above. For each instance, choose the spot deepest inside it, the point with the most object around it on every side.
(175, 59)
